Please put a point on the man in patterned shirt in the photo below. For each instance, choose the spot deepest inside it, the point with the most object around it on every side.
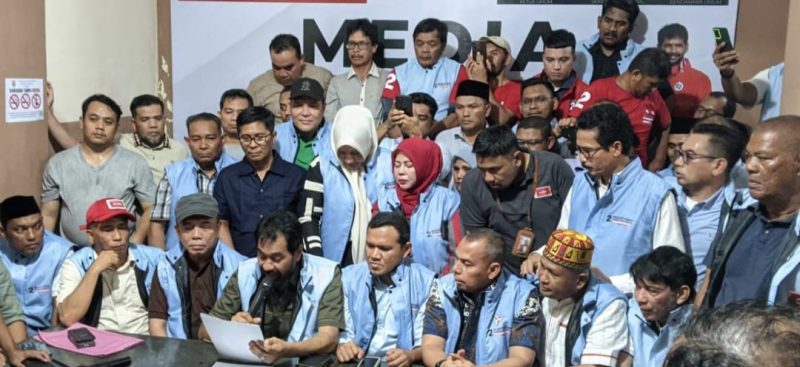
(191, 175)
(482, 314)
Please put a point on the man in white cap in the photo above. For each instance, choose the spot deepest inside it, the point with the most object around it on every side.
(491, 69)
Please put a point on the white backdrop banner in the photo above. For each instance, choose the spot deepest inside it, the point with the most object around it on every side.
(218, 45)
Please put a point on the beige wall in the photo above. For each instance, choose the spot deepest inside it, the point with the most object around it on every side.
(100, 46)
(760, 40)
(791, 76)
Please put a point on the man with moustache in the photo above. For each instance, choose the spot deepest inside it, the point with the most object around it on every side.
(191, 175)
(288, 65)
(75, 178)
(192, 276)
(395, 289)
(689, 85)
(149, 138)
(609, 52)
(107, 284)
(491, 69)
(295, 298)
(363, 83)
(259, 184)
(33, 257)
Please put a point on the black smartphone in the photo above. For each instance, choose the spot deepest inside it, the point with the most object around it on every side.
(369, 362)
(721, 35)
(317, 360)
(81, 337)
(403, 103)
(478, 47)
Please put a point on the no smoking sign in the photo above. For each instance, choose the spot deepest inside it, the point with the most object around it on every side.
(24, 100)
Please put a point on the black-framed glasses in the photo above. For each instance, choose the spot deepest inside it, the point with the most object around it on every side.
(259, 139)
(361, 45)
(588, 153)
(689, 156)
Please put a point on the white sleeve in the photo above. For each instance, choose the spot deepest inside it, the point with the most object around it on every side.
(623, 282)
(761, 82)
(67, 280)
(418, 320)
(667, 231)
(607, 337)
(563, 222)
(347, 335)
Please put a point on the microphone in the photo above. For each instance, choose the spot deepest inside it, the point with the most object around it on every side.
(260, 297)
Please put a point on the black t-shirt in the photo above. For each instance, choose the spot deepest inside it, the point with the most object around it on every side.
(604, 66)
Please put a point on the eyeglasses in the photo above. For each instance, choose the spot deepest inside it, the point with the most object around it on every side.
(689, 156)
(259, 139)
(706, 112)
(362, 45)
(588, 153)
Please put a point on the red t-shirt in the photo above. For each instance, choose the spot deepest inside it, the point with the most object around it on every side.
(690, 87)
(566, 96)
(642, 111)
(509, 96)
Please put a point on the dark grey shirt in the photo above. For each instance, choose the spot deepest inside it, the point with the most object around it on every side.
(506, 212)
(749, 267)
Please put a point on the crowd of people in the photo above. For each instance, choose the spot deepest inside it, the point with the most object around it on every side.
(608, 211)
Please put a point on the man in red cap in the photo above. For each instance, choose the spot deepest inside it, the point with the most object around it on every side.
(119, 301)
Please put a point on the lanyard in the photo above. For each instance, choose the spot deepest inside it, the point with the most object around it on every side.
(533, 193)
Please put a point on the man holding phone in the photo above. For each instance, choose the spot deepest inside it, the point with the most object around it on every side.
(491, 57)
(763, 89)
(394, 288)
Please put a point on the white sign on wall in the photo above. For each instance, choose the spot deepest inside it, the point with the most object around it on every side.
(24, 100)
(218, 45)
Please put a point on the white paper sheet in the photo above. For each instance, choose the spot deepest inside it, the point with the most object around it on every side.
(231, 338)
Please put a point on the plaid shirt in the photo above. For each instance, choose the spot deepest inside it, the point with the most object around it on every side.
(161, 207)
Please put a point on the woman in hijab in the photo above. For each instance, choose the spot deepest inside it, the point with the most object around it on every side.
(340, 184)
(463, 161)
(431, 209)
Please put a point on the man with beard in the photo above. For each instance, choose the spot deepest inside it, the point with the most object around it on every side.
(74, 178)
(491, 69)
(149, 138)
(191, 175)
(33, 257)
(107, 285)
(363, 83)
(609, 52)
(689, 85)
(295, 298)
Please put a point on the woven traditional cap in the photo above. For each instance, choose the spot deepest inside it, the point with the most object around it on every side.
(570, 249)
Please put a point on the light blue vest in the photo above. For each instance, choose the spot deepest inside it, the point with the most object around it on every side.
(412, 287)
(502, 303)
(315, 276)
(339, 203)
(437, 81)
(182, 178)
(787, 277)
(649, 348)
(33, 278)
(598, 296)
(430, 245)
(622, 222)
(772, 100)
(584, 65)
(226, 262)
(147, 259)
(286, 142)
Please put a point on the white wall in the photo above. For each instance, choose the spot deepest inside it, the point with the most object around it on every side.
(100, 46)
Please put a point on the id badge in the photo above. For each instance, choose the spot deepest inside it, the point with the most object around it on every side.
(523, 244)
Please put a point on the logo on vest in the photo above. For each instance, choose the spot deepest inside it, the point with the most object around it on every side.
(678, 86)
(649, 116)
(543, 192)
(625, 222)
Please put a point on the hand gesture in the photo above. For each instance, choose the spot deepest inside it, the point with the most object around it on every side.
(531, 264)
(349, 351)
(725, 61)
(106, 260)
(245, 318)
(16, 357)
(476, 69)
(398, 358)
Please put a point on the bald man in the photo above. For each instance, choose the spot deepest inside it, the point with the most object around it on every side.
(761, 232)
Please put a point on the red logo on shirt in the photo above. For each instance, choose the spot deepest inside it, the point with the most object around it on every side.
(543, 192)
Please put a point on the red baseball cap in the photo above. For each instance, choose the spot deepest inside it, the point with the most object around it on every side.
(105, 209)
